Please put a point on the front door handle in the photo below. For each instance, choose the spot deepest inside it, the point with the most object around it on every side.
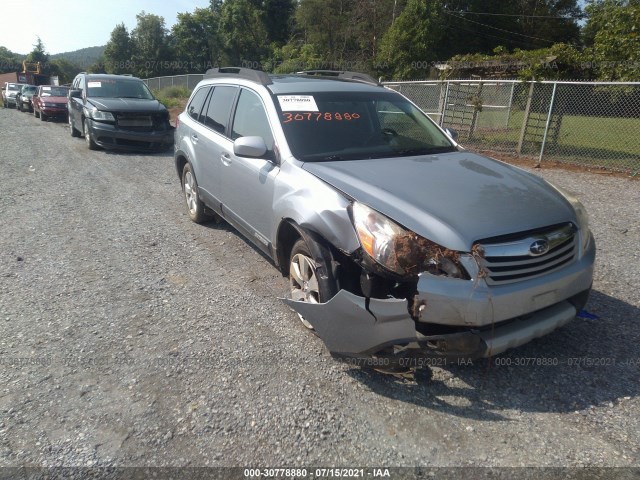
(194, 138)
(226, 159)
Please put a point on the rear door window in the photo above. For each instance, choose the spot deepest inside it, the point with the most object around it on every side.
(219, 109)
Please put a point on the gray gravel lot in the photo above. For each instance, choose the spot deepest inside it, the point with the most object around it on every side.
(130, 336)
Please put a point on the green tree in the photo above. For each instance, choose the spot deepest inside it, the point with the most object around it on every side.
(98, 66)
(9, 61)
(150, 46)
(196, 40)
(278, 20)
(525, 24)
(414, 39)
(243, 35)
(38, 54)
(117, 53)
(64, 69)
(612, 31)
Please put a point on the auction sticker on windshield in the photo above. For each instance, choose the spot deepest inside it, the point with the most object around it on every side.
(297, 103)
(94, 84)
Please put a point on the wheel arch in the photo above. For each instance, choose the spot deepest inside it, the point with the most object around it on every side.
(180, 161)
(289, 232)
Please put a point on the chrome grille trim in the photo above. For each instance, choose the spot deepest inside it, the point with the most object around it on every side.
(511, 261)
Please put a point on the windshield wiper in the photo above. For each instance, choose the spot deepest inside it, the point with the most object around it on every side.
(410, 152)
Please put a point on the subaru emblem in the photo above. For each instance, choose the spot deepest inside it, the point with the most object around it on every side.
(539, 247)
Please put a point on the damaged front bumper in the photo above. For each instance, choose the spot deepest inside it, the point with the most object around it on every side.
(485, 320)
(351, 328)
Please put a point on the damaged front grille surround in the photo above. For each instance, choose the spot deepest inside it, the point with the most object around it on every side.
(528, 255)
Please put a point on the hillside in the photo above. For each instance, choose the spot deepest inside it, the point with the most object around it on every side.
(83, 57)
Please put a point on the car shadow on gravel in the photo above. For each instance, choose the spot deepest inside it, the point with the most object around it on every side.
(223, 225)
(124, 153)
(588, 363)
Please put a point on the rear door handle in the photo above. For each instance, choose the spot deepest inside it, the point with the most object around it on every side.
(226, 159)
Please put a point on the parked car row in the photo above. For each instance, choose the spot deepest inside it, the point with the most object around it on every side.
(9, 92)
(116, 112)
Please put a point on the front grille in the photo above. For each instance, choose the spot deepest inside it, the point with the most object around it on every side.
(142, 123)
(515, 258)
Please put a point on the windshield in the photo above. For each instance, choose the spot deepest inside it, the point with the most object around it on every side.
(54, 91)
(14, 88)
(329, 126)
(29, 89)
(118, 88)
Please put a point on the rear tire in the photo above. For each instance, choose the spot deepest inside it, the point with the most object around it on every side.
(195, 207)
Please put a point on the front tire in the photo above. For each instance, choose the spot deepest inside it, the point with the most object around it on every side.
(72, 129)
(309, 281)
(88, 138)
(195, 207)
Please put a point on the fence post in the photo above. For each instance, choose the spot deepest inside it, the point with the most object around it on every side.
(546, 127)
(477, 106)
(513, 86)
(444, 105)
(523, 131)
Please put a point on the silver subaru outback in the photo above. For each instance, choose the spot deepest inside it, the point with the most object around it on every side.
(397, 242)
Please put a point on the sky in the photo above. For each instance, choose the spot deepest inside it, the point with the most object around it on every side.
(65, 25)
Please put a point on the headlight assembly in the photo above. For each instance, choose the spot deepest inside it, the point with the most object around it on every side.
(582, 218)
(101, 116)
(399, 250)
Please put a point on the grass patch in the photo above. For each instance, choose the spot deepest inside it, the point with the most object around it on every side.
(603, 141)
(172, 97)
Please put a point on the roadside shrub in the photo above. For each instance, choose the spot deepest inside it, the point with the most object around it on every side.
(172, 97)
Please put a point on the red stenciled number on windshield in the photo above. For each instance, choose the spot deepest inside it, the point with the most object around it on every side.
(317, 116)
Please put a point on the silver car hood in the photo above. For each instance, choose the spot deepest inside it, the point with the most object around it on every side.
(453, 199)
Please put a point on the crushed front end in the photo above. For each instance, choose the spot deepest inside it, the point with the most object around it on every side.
(417, 300)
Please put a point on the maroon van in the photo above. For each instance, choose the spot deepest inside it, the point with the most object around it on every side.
(50, 101)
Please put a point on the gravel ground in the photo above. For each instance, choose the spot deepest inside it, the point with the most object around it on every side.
(130, 336)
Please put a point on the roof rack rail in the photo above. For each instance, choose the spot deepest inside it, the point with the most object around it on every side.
(257, 76)
(357, 76)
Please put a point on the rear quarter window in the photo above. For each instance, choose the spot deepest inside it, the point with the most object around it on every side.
(197, 102)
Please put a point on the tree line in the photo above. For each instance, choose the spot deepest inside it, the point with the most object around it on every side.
(395, 39)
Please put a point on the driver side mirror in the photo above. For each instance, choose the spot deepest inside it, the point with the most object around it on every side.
(75, 93)
(253, 147)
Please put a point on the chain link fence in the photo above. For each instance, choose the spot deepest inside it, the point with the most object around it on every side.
(591, 124)
(188, 81)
